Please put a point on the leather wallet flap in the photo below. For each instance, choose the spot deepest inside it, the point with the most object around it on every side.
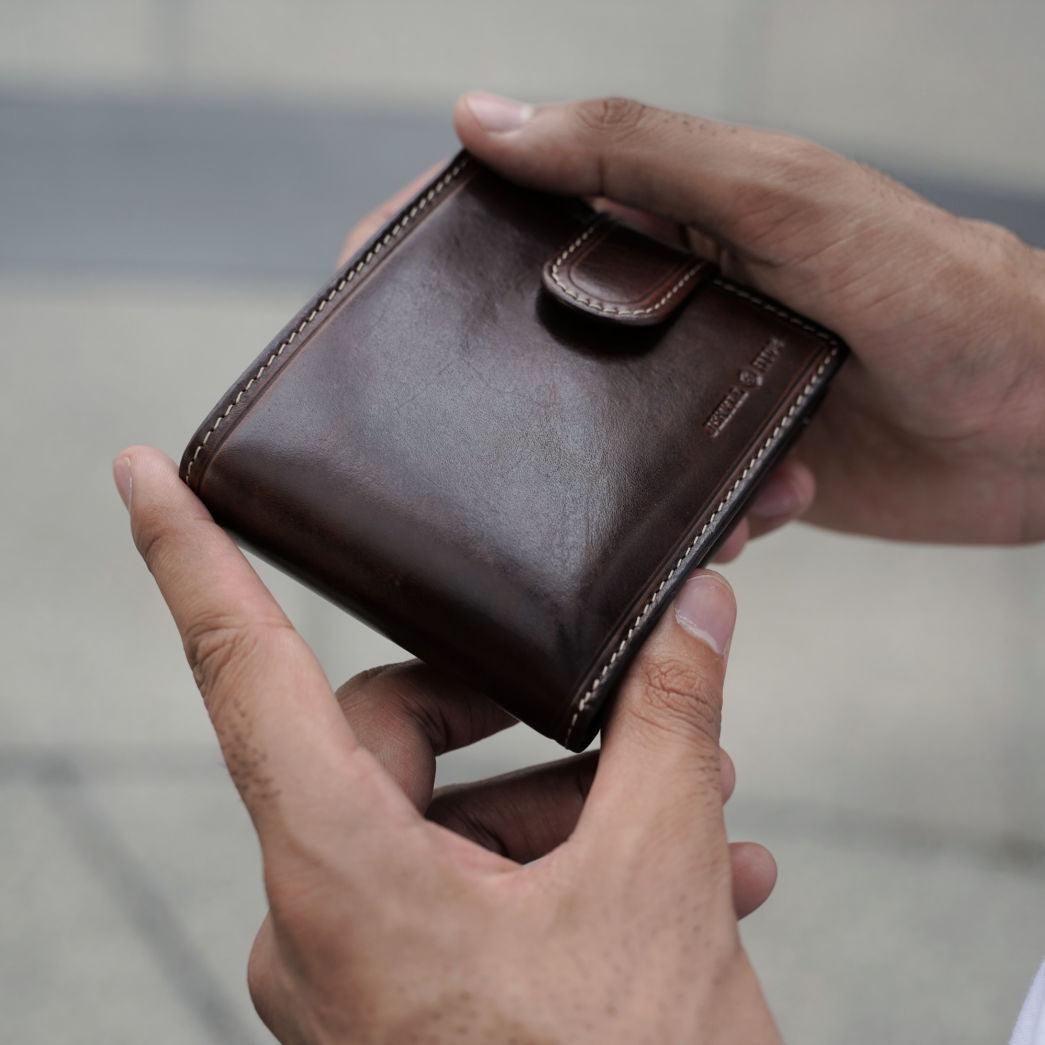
(617, 273)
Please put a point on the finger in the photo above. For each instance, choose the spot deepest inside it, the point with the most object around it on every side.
(408, 714)
(281, 732)
(675, 233)
(369, 226)
(658, 777)
(521, 815)
(785, 496)
(684, 168)
(754, 876)
(727, 773)
(265, 984)
(527, 813)
(643, 221)
(734, 544)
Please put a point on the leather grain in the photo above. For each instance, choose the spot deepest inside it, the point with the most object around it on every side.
(502, 480)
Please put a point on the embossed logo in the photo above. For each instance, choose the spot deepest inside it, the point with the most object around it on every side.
(749, 378)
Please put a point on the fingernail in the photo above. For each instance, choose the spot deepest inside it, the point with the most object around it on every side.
(121, 473)
(497, 114)
(706, 609)
(778, 497)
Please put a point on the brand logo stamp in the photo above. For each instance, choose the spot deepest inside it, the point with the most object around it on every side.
(749, 378)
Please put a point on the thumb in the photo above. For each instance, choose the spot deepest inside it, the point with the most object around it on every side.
(658, 774)
(685, 168)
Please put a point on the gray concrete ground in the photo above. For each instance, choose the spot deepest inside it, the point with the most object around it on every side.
(884, 705)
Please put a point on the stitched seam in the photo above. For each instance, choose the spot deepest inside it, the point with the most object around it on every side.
(325, 298)
(781, 426)
(601, 306)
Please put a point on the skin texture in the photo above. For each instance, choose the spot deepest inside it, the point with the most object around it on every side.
(576, 902)
(597, 901)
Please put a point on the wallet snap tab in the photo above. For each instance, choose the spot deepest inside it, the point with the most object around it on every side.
(617, 273)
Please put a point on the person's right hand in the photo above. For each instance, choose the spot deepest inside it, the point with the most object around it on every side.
(590, 900)
(936, 429)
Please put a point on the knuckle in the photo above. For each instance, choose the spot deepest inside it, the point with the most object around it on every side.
(1000, 247)
(266, 985)
(214, 647)
(219, 646)
(614, 117)
(259, 973)
(788, 163)
(391, 694)
(976, 258)
(784, 185)
(678, 697)
(799, 158)
(418, 708)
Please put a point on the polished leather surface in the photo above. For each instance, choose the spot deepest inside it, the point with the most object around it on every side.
(500, 480)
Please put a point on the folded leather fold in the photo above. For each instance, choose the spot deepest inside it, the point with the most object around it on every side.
(510, 480)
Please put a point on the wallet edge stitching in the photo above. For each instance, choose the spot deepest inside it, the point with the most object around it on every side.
(781, 425)
(325, 298)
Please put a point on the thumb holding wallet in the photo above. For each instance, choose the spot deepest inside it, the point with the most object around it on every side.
(932, 431)
(385, 926)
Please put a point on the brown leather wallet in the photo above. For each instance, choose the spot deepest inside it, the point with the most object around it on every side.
(505, 432)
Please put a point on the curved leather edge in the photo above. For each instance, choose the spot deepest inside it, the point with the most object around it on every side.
(237, 400)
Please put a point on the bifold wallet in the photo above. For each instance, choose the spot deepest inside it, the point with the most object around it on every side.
(505, 432)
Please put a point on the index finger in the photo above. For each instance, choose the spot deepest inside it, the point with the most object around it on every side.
(284, 739)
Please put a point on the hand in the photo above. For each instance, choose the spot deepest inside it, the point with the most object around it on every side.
(934, 431)
(510, 912)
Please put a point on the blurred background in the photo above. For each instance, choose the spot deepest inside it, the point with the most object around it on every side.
(175, 177)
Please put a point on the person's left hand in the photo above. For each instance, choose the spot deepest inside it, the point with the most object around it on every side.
(786, 494)
(385, 922)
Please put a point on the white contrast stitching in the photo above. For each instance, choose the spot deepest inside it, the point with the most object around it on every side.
(601, 306)
(781, 426)
(325, 298)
